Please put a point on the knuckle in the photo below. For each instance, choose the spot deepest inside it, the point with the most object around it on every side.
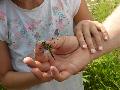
(90, 43)
(77, 28)
(88, 37)
(95, 31)
(82, 42)
(79, 35)
(85, 24)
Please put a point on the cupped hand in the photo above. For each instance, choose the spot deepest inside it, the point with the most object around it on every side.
(67, 65)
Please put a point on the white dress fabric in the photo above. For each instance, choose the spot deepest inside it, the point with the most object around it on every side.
(21, 28)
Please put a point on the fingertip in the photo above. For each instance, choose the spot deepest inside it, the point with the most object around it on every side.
(84, 46)
(27, 59)
(45, 75)
(52, 68)
(35, 69)
(106, 38)
(54, 71)
(100, 48)
(93, 51)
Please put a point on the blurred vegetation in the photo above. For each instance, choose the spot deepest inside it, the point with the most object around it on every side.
(103, 73)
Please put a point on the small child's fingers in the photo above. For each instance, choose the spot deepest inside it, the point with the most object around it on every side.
(48, 75)
(39, 52)
(35, 64)
(37, 73)
(88, 39)
(30, 62)
(80, 37)
(102, 29)
(44, 77)
(59, 76)
(39, 48)
(42, 58)
(43, 66)
(97, 37)
(104, 33)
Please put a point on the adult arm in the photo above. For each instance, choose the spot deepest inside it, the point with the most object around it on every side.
(77, 60)
(113, 28)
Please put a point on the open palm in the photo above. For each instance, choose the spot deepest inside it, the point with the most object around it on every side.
(66, 65)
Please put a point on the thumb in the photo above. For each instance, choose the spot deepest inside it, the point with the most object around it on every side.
(59, 76)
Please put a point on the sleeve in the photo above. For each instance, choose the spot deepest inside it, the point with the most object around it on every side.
(74, 6)
(3, 31)
(3, 24)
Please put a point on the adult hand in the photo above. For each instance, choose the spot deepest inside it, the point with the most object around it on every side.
(66, 65)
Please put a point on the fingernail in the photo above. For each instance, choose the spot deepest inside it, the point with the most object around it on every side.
(100, 48)
(93, 51)
(106, 38)
(84, 46)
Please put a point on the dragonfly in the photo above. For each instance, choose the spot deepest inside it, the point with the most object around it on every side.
(48, 47)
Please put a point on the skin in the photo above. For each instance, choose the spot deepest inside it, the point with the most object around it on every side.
(25, 80)
(67, 65)
(85, 29)
(63, 45)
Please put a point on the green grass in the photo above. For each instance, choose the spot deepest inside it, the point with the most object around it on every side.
(103, 73)
(2, 88)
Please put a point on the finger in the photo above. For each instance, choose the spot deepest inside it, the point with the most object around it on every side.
(39, 51)
(80, 37)
(41, 75)
(48, 74)
(35, 64)
(37, 73)
(88, 38)
(43, 66)
(102, 29)
(97, 37)
(30, 62)
(59, 76)
(45, 56)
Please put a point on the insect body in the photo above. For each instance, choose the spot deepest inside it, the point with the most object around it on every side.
(48, 47)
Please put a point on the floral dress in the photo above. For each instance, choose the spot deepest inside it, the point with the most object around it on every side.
(22, 28)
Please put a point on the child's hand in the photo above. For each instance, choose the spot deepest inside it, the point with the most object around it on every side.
(40, 66)
(86, 29)
(64, 45)
(38, 69)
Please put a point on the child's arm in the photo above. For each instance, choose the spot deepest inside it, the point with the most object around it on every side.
(86, 29)
(12, 79)
(83, 13)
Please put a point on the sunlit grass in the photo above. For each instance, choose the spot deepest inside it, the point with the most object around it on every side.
(103, 73)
